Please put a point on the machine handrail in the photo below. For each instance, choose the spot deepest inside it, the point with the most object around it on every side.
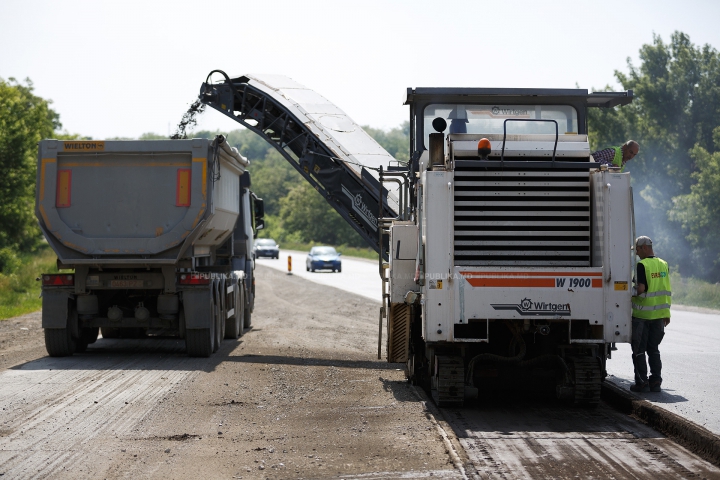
(502, 153)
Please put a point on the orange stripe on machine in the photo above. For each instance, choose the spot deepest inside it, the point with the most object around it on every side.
(565, 280)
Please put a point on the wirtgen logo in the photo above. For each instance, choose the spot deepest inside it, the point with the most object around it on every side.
(361, 209)
(528, 308)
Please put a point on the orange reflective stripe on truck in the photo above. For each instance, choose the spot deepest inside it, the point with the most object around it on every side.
(182, 194)
(64, 186)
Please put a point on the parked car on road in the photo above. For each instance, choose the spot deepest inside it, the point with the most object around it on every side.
(323, 258)
(266, 247)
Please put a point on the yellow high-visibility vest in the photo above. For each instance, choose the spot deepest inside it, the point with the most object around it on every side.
(655, 302)
(617, 159)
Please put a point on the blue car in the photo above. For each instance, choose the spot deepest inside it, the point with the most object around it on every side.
(323, 258)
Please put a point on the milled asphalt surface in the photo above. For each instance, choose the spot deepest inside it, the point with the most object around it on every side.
(690, 350)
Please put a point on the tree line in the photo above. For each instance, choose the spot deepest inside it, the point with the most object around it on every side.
(676, 177)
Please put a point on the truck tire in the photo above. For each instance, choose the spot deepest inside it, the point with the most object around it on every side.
(88, 335)
(219, 333)
(233, 326)
(247, 317)
(59, 342)
(199, 342)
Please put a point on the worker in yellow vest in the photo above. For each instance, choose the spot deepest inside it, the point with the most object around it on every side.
(650, 315)
(617, 156)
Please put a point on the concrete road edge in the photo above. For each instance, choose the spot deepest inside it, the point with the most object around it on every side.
(695, 438)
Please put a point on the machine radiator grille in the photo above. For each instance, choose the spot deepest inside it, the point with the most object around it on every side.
(522, 217)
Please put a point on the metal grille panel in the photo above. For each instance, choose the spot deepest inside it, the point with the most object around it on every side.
(399, 333)
(522, 217)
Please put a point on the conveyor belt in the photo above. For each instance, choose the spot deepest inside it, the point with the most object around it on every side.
(326, 146)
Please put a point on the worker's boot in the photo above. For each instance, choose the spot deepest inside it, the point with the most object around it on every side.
(643, 387)
(655, 385)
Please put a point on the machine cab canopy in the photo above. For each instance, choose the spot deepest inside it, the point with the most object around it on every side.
(484, 110)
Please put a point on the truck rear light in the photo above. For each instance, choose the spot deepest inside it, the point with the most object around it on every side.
(58, 279)
(194, 278)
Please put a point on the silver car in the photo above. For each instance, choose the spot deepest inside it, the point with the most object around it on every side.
(266, 247)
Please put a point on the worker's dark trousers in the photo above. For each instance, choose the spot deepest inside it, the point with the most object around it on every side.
(646, 337)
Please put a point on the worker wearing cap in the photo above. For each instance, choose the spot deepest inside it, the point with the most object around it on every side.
(617, 156)
(650, 315)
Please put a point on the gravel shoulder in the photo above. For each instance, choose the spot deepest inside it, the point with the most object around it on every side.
(300, 395)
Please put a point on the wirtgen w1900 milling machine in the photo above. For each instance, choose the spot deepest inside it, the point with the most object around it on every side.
(515, 268)
(506, 251)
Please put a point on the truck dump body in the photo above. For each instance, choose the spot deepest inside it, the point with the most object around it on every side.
(125, 201)
(157, 233)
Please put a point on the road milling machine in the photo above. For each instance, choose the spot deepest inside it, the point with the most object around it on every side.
(505, 250)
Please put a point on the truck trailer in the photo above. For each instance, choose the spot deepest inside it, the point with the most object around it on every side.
(152, 237)
(505, 250)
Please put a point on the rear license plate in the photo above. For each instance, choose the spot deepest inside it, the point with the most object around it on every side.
(126, 283)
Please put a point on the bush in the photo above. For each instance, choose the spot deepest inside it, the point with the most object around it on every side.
(694, 292)
(9, 261)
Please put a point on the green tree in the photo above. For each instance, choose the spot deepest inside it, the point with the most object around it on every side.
(25, 119)
(396, 140)
(677, 93)
(699, 211)
(307, 217)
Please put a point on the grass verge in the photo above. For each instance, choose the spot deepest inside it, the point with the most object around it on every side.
(695, 293)
(19, 291)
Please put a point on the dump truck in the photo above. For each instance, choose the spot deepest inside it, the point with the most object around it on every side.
(505, 250)
(152, 238)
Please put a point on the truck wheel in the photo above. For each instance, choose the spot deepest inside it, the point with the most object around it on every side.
(219, 326)
(199, 342)
(233, 327)
(59, 342)
(247, 317)
(88, 335)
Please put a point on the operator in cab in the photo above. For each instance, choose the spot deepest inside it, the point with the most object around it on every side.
(650, 315)
(617, 156)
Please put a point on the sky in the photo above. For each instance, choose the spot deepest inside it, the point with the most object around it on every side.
(124, 68)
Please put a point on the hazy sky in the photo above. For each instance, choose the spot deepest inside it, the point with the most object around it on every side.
(123, 68)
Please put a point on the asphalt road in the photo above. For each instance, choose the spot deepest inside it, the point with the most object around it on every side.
(300, 395)
(690, 350)
(359, 276)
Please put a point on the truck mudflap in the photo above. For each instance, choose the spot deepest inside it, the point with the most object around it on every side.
(55, 308)
(196, 304)
(321, 141)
